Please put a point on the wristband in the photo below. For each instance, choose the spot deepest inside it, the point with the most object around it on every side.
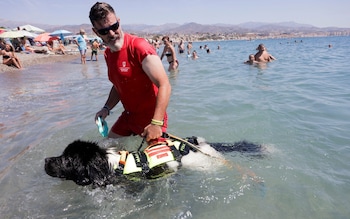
(107, 108)
(157, 122)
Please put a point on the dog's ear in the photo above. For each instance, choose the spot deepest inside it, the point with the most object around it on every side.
(99, 171)
(79, 172)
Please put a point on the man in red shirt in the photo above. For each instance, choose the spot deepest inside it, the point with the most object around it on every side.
(139, 80)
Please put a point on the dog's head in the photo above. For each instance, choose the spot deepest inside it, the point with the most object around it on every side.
(82, 162)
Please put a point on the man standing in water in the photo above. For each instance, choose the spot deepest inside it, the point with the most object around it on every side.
(95, 46)
(139, 80)
(81, 42)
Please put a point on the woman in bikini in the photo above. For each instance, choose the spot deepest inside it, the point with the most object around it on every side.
(9, 58)
(170, 54)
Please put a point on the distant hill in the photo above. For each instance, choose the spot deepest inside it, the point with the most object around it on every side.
(249, 27)
(195, 28)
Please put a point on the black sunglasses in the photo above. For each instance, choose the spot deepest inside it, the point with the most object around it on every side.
(106, 30)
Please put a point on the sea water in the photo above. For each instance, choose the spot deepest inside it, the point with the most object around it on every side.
(297, 107)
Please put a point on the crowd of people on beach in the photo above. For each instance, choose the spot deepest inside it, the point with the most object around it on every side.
(54, 46)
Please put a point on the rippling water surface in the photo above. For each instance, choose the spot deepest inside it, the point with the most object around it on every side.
(297, 106)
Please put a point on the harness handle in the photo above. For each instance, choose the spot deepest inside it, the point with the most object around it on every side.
(167, 135)
(143, 141)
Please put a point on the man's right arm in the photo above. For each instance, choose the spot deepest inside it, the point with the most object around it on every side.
(112, 100)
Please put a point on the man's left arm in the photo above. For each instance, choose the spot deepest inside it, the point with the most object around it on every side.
(153, 67)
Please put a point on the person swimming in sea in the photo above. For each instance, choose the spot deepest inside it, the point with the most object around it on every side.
(194, 54)
(262, 55)
(170, 54)
(251, 60)
(181, 47)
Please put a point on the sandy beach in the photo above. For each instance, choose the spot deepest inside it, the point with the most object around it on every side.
(30, 59)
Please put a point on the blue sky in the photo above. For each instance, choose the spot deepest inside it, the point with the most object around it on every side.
(320, 13)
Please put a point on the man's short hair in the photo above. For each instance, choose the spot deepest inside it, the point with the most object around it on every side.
(99, 11)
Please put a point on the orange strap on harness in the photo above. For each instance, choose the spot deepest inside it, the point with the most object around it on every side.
(123, 156)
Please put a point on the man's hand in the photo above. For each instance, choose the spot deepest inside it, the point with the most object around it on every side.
(103, 113)
(152, 132)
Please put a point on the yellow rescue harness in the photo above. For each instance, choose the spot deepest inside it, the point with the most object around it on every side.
(153, 156)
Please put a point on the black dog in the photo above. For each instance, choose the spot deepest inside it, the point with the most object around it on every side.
(86, 163)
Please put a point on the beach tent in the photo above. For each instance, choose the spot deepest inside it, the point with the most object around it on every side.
(44, 37)
(31, 28)
(17, 34)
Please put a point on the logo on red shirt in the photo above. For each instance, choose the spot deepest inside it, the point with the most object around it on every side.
(124, 68)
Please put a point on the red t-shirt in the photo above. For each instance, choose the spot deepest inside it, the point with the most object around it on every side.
(136, 91)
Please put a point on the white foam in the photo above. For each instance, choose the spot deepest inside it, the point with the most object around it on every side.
(204, 160)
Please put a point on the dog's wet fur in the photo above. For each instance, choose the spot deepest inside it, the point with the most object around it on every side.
(87, 163)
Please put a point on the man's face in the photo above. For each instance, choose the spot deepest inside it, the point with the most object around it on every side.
(110, 31)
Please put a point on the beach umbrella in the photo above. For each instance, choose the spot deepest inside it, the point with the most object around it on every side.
(31, 28)
(17, 34)
(44, 37)
(61, 33)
